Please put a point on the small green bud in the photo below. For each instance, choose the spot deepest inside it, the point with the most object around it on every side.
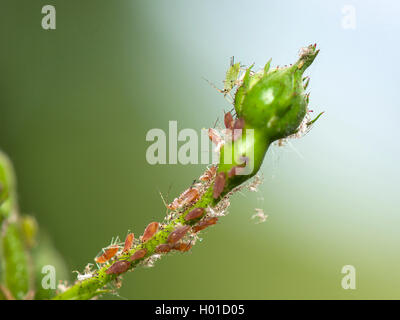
(7, 180)
(29, 228)
(16, 271)
(3, 182)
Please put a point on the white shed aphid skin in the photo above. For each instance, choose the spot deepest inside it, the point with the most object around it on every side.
(88, 273)
(62, 286)
(150, 261)
(81, 277)
(260, 215)
(215, 213)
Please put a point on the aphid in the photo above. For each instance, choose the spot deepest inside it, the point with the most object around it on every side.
(232, 172)
(231, 76)
(231, 79)
(239, 124)
(194, 214)
(174, 204)
(187, 197)
(138, 255)
(237, 129)
(219, 185)
(128, 242)
(208, 174)
(150, 230)
(228, 120)
(118, 267)
(216, 138)
(107, 254)
(182, 246)
(237, 170)
(214, 135)
(84, 276)
(177, 234)
(204, 224)
(163, 248)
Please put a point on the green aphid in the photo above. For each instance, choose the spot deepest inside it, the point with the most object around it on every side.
(231, 77)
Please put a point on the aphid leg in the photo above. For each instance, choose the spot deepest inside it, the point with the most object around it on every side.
(163, 200)
(214, 86)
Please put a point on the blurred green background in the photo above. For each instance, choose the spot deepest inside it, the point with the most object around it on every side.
(76, 104)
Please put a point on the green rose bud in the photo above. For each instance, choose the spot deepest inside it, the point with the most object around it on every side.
(274, 101)
(270, 105)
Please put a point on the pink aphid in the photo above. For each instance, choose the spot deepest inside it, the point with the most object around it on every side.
(128, 242)
(237, 129)
(118, 267)
(239, 169)
(208, 174)
(107, 254)
(150, 231)
(182, 246)
(163, 248)
(219, 184)
(194, 214)
(177, 234)
(216, 138)
(188, 197)
(228, 120)
(138, 255)
(239, 124)
(204, 224)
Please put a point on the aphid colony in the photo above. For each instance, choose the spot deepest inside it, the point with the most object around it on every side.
(198, 218)
(232, 132)
(173, 242)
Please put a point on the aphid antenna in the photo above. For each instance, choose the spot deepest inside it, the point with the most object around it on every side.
(193, 184)
(163, 200)
(213, 85)
(215, 123)
(114, 241)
